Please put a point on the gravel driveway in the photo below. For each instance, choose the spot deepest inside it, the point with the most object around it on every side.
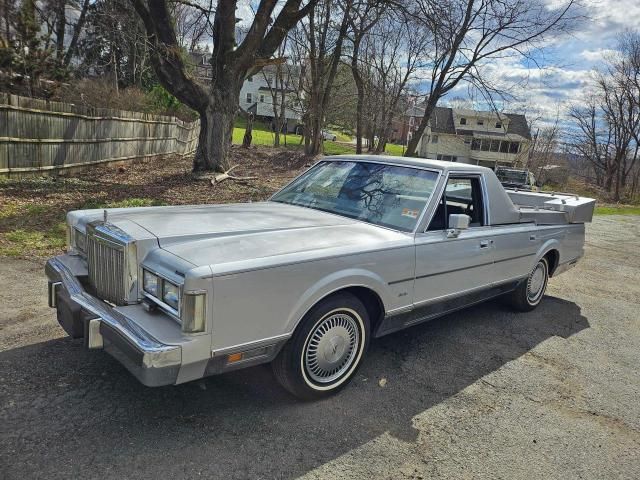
(483, 393)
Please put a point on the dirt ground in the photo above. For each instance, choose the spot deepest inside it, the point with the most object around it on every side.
(483, 393)
(32, 210)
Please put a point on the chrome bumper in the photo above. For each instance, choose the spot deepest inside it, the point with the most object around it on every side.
(82, 315)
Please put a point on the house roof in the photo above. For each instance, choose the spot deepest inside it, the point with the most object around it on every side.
(518, 125)
(442, 122)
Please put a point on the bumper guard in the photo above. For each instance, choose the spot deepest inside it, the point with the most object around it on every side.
(82, 315)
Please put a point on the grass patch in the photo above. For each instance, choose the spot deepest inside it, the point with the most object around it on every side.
(394, 149)
(261, 134)
(20, 243)
(37, 230)
(617, 211)
(126, 203)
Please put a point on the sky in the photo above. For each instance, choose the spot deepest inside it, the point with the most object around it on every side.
(544, 94)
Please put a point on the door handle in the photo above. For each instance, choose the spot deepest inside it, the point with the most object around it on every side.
(484, 243)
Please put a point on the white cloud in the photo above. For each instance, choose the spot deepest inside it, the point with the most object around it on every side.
(597, 55)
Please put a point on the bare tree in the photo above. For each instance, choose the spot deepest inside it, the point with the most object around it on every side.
(322, 38)
(279, 81)
(467, 33)
(362, 18)
(218, 102)
(398, 46)
(608, 123)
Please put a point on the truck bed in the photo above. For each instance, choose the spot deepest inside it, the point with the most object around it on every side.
(552, 208)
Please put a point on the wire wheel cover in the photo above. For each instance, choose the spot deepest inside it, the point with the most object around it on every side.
(331, 347)
(535, 285)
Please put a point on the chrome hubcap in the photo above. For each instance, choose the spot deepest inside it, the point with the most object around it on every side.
(331, 348)
(536, 282)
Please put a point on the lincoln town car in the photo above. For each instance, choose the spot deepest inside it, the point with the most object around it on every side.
(354, 248)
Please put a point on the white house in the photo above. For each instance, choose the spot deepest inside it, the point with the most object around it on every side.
(482, 138)
(258, 91)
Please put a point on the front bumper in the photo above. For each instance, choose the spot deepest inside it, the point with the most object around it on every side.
(84, 316)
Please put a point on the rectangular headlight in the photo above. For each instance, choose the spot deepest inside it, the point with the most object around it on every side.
(150, 283)
(170, 294)
(194, 312)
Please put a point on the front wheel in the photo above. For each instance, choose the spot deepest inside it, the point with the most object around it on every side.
(529, 294)
(326, 349)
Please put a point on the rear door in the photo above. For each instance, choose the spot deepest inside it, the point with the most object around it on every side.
(451, 267)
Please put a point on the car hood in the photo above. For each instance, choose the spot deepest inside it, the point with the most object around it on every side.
(253, 235)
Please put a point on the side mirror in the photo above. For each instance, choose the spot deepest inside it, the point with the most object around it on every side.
(457, 223)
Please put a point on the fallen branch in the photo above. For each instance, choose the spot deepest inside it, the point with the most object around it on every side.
(223, 176)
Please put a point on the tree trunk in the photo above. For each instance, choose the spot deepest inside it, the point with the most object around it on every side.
(214, 141)
(315, 146)
(277, 127)
(77, 29)
(412, 146)
(248, 132)
(360, 95)
(61, 25)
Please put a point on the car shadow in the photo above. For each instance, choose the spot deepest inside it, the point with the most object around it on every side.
(69, 412)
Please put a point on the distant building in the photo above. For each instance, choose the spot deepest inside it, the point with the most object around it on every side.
(482, 138)
(257, 92)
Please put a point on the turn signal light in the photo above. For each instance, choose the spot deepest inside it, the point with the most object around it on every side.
(234, 357)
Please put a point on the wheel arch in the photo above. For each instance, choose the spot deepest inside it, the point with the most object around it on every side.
(551, 251)
(368, 287)
(553, 258)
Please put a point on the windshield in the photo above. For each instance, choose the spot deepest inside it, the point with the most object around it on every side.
(512, 176)
(385, 195)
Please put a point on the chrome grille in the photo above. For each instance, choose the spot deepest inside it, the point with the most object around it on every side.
(106, 259)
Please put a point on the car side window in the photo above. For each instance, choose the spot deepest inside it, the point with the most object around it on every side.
(462, 195)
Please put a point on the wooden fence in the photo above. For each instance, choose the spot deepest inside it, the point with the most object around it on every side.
(39, 136)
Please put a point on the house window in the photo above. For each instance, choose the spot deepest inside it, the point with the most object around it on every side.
(463, 121)
(475, 144)
(495, 146)
(513, 147)
(504, 147)
(249, 97)
(261, 98)
(250, 79)
(480, 122)
(485, 145)
(498, 124)
(434, 139)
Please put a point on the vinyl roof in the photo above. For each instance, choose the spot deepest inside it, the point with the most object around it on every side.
(411, 162)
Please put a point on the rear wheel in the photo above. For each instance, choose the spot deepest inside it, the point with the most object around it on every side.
(326, 349)
(529, 294)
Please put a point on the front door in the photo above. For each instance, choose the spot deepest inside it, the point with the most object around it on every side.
(452, 270)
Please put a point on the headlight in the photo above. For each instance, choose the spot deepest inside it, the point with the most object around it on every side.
(150, 283)
(170, 294)
(194, 312)
(80, 240)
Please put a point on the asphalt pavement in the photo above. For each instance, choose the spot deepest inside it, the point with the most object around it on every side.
(482, 393)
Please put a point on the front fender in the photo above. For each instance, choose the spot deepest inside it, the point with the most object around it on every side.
(352, 277)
